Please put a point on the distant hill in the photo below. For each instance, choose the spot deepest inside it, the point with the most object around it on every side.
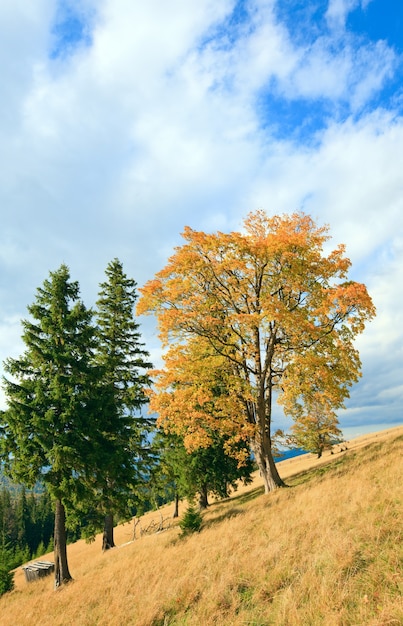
(14, 488)
(7, 483)
(289, 454)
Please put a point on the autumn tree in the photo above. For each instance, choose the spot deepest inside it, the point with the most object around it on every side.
(271, 303)
(316, 432)
(312, 397)
(124, 362)
(55, 401)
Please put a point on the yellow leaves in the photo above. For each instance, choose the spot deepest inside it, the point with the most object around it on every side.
(196, 394)
(249, 311)
(272, 270)
(223, 275)
(197, 438)
(320, 375)
(285, 235)
(349, 303)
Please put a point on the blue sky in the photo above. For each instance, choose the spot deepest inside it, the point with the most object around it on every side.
(71, 29)
(122, 122)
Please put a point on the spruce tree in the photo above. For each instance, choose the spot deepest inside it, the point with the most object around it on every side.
(22, 518)
(6, 575)
(124, 362)
(55, 403)
(182, 474)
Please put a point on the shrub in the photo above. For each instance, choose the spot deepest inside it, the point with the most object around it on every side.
(191, 521)
(6, 579)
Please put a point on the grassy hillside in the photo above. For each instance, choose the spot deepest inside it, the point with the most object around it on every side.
(326, 551)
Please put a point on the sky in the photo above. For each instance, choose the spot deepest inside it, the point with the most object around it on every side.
(121, 122)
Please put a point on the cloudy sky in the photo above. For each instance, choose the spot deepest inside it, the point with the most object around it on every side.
(121, 122)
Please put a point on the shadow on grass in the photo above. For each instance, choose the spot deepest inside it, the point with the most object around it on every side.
(232, 507)
(337, 467)
(243, 498)
(226, 515)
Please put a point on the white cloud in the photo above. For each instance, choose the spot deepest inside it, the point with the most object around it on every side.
(338, 10)
(164, 120)
(19, 51)
(350, 76)
(11, 344)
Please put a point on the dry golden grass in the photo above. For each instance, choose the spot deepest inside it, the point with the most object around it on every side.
(325, 552)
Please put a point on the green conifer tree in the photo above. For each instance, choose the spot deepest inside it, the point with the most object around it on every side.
(22, 519)
(124, 362)
(6, 575)
(55, 403)
(200, 472)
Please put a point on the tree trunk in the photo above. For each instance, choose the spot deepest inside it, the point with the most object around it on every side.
(62, 574)
(176, 509)
(107, 539)
(261, 442)
(203, 500)
(267, 467)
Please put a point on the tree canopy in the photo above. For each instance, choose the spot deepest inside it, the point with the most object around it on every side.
(274, 307)
(205, 470)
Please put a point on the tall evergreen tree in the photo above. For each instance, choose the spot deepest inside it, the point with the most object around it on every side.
(55, 403)
(124, 362)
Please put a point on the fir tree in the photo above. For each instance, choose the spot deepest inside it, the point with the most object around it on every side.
(22, 518)
(200, 472)
(54, 403)
(6, 576)
(124, 362)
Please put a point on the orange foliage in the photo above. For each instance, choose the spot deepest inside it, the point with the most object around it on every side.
(266, 307)
(196, 394)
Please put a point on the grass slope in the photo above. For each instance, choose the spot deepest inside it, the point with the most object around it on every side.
(327, 551)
